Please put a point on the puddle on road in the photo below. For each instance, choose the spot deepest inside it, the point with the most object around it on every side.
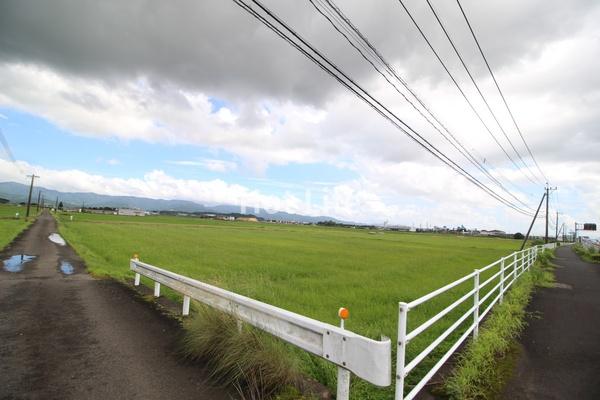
(66, 268)
(56, 238)
(16, 262)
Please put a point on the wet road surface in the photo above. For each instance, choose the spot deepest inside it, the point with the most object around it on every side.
(65, 335)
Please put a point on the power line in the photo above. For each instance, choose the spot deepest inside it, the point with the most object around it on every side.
(476, 85)
(324, 63)
(471, 106)
(347, 29)
(500, 90)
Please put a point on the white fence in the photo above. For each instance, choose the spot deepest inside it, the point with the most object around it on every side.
(508, 271)
(368, 359)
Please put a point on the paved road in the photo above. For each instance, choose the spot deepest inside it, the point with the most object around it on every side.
(73, 337)
(561, 347)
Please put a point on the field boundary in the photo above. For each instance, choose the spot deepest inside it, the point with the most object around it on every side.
(508, 272)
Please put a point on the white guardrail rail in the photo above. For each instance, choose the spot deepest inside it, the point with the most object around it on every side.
(368, 359)
(509, 269)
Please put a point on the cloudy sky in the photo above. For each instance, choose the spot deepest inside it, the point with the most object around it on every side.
(197, 100)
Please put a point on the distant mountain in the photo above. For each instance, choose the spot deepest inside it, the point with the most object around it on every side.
(17, 192)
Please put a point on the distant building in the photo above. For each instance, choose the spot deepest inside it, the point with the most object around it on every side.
(247, 219)
(494, 232)
(131, 212)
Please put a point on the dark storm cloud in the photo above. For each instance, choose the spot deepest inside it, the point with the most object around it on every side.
(213, 46)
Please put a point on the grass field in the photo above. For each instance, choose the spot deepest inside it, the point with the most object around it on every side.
(307, 269)
(9, 225)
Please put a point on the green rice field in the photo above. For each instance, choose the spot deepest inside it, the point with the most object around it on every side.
(311, 270)
(9, 225)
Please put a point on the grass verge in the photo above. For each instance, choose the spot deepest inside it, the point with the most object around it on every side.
(587, 254)
(477, 374)
(10, 226)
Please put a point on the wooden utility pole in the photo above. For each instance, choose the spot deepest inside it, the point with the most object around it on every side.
(37, 206)
(33, 176)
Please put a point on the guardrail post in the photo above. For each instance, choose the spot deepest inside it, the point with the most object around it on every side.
(501, 299)
(476, 305)
(401, 350)
(343, 375)
(136, 281)
(156, 289)
(186, 305)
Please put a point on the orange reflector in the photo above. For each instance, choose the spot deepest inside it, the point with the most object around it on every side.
(343, 313)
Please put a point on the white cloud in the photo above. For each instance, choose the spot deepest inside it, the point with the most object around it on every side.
(213, 165)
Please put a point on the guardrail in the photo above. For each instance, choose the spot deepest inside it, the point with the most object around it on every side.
(368, 359)
(509, 270)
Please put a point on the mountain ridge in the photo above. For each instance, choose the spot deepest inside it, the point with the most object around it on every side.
(18, 192)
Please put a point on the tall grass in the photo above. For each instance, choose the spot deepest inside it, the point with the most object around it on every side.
(239, 355)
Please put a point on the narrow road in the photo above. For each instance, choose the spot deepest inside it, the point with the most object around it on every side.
(65, 335)
(561, 345)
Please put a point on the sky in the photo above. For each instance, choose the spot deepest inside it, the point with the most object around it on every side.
(197, 100)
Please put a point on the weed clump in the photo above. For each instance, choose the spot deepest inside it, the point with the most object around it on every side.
(256, 364)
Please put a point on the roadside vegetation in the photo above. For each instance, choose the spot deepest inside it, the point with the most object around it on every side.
(588, 254)
(485, 364)
(311, 270)
(10, 226)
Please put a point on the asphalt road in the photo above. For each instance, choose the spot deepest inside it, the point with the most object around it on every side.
(561, 345)
(69, 336)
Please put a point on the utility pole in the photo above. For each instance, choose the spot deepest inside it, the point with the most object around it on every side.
(33, 176)
(37, 206)
(533, 221)
(548, 189)
(557, 226)
(56, 204)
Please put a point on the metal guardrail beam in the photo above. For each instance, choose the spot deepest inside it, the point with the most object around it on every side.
(368, 359)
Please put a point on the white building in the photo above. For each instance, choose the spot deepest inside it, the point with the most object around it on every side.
(131, 212)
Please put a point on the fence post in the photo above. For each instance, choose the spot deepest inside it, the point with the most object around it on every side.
(516, 266)
(501, 299)
(136, 281)
(343, 375)
(186, 305)
(476, 305)
(401, 353)
(156, 289)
